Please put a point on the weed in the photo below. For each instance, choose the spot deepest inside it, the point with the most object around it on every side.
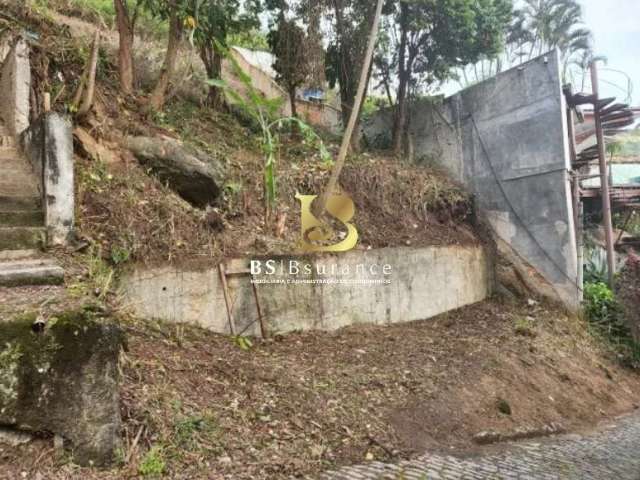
(524, 326)
(153, 463)
(119, 255)
(242, 342)
(188, 431)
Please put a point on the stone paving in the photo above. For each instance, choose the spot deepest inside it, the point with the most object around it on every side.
(611, 453)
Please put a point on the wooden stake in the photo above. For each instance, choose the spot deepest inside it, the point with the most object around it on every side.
(355, 112)
(607, 222)
(227, 300)
(263, 328)
(46, 102)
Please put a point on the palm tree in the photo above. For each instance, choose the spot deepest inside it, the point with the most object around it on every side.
(557, 24)
(537, 27)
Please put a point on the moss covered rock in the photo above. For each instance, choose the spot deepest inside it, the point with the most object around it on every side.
(63, 379)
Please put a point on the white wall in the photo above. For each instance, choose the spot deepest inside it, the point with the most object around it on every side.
(424, 282)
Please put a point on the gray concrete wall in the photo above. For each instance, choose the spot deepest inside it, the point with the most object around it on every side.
(48, 145)
(423, 282)
(15, 85)
(506, 140)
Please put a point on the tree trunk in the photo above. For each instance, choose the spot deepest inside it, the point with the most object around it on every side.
(125, 47)
(292, 99)
(403, 83)
(158, 96)
(213, 65)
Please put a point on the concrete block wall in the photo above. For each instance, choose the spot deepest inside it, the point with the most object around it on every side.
(15, 86)
(506, 140)
(424, 282)
(48, 145)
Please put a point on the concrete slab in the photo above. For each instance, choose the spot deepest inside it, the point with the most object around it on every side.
(30, 272)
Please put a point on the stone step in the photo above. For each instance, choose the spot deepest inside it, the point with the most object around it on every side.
(22, 238)
(22, 218)
(20, 187)
(30, 272)
(7, 141)
(11, 167)
(9, 147)
(11, 178)
(13, 203)
(12, 255)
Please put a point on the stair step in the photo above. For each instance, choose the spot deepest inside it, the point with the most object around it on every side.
(22, 218)
(10, 153)
(12, 203)
(22, 238)
(7, 141)
(13, 255)
(18, 188)
(30, 272)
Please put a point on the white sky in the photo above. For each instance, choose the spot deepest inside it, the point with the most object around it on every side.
(615, 25)
(616, 28)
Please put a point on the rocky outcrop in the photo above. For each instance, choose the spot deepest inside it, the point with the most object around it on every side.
(194, 175)
(62, 378)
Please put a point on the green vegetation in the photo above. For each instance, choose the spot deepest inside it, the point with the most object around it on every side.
(264, 113)
(606, 318)
(153, 463)
(524, 326)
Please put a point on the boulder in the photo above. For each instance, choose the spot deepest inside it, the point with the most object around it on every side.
(62, 377)
(194, 175)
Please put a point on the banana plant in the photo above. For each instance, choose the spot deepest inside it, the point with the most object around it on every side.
(265, 113)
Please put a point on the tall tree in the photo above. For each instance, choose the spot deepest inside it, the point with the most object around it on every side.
(288, 43)
(216, 21)
(177, 12)
(435, 37)
(126, 16)
(351, 21)
(557, 23)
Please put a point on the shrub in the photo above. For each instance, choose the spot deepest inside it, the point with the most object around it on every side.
(606, 315)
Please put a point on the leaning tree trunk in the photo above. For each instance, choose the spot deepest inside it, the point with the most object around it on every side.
(159, 94)
(125, 47)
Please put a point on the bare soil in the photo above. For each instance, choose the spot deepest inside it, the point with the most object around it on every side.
(306, 402)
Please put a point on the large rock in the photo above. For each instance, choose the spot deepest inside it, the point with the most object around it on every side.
(194, 175)
(63, 378)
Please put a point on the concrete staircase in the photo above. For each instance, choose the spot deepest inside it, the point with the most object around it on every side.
(22, 224)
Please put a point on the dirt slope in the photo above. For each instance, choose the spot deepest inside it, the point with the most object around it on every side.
(307, 402)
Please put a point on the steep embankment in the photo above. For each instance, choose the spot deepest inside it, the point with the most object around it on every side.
(132, 217)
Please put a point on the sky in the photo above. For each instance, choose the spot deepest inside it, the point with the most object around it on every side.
(616, 28)
(615, 25)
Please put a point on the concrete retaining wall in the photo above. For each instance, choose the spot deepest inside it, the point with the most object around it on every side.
(506, 140)
(15, 85)
(422, 283)
(48, 145)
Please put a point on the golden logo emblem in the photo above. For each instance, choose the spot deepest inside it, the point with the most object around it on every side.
(315, 234)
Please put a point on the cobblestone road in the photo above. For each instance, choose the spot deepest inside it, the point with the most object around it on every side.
(611, 453)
